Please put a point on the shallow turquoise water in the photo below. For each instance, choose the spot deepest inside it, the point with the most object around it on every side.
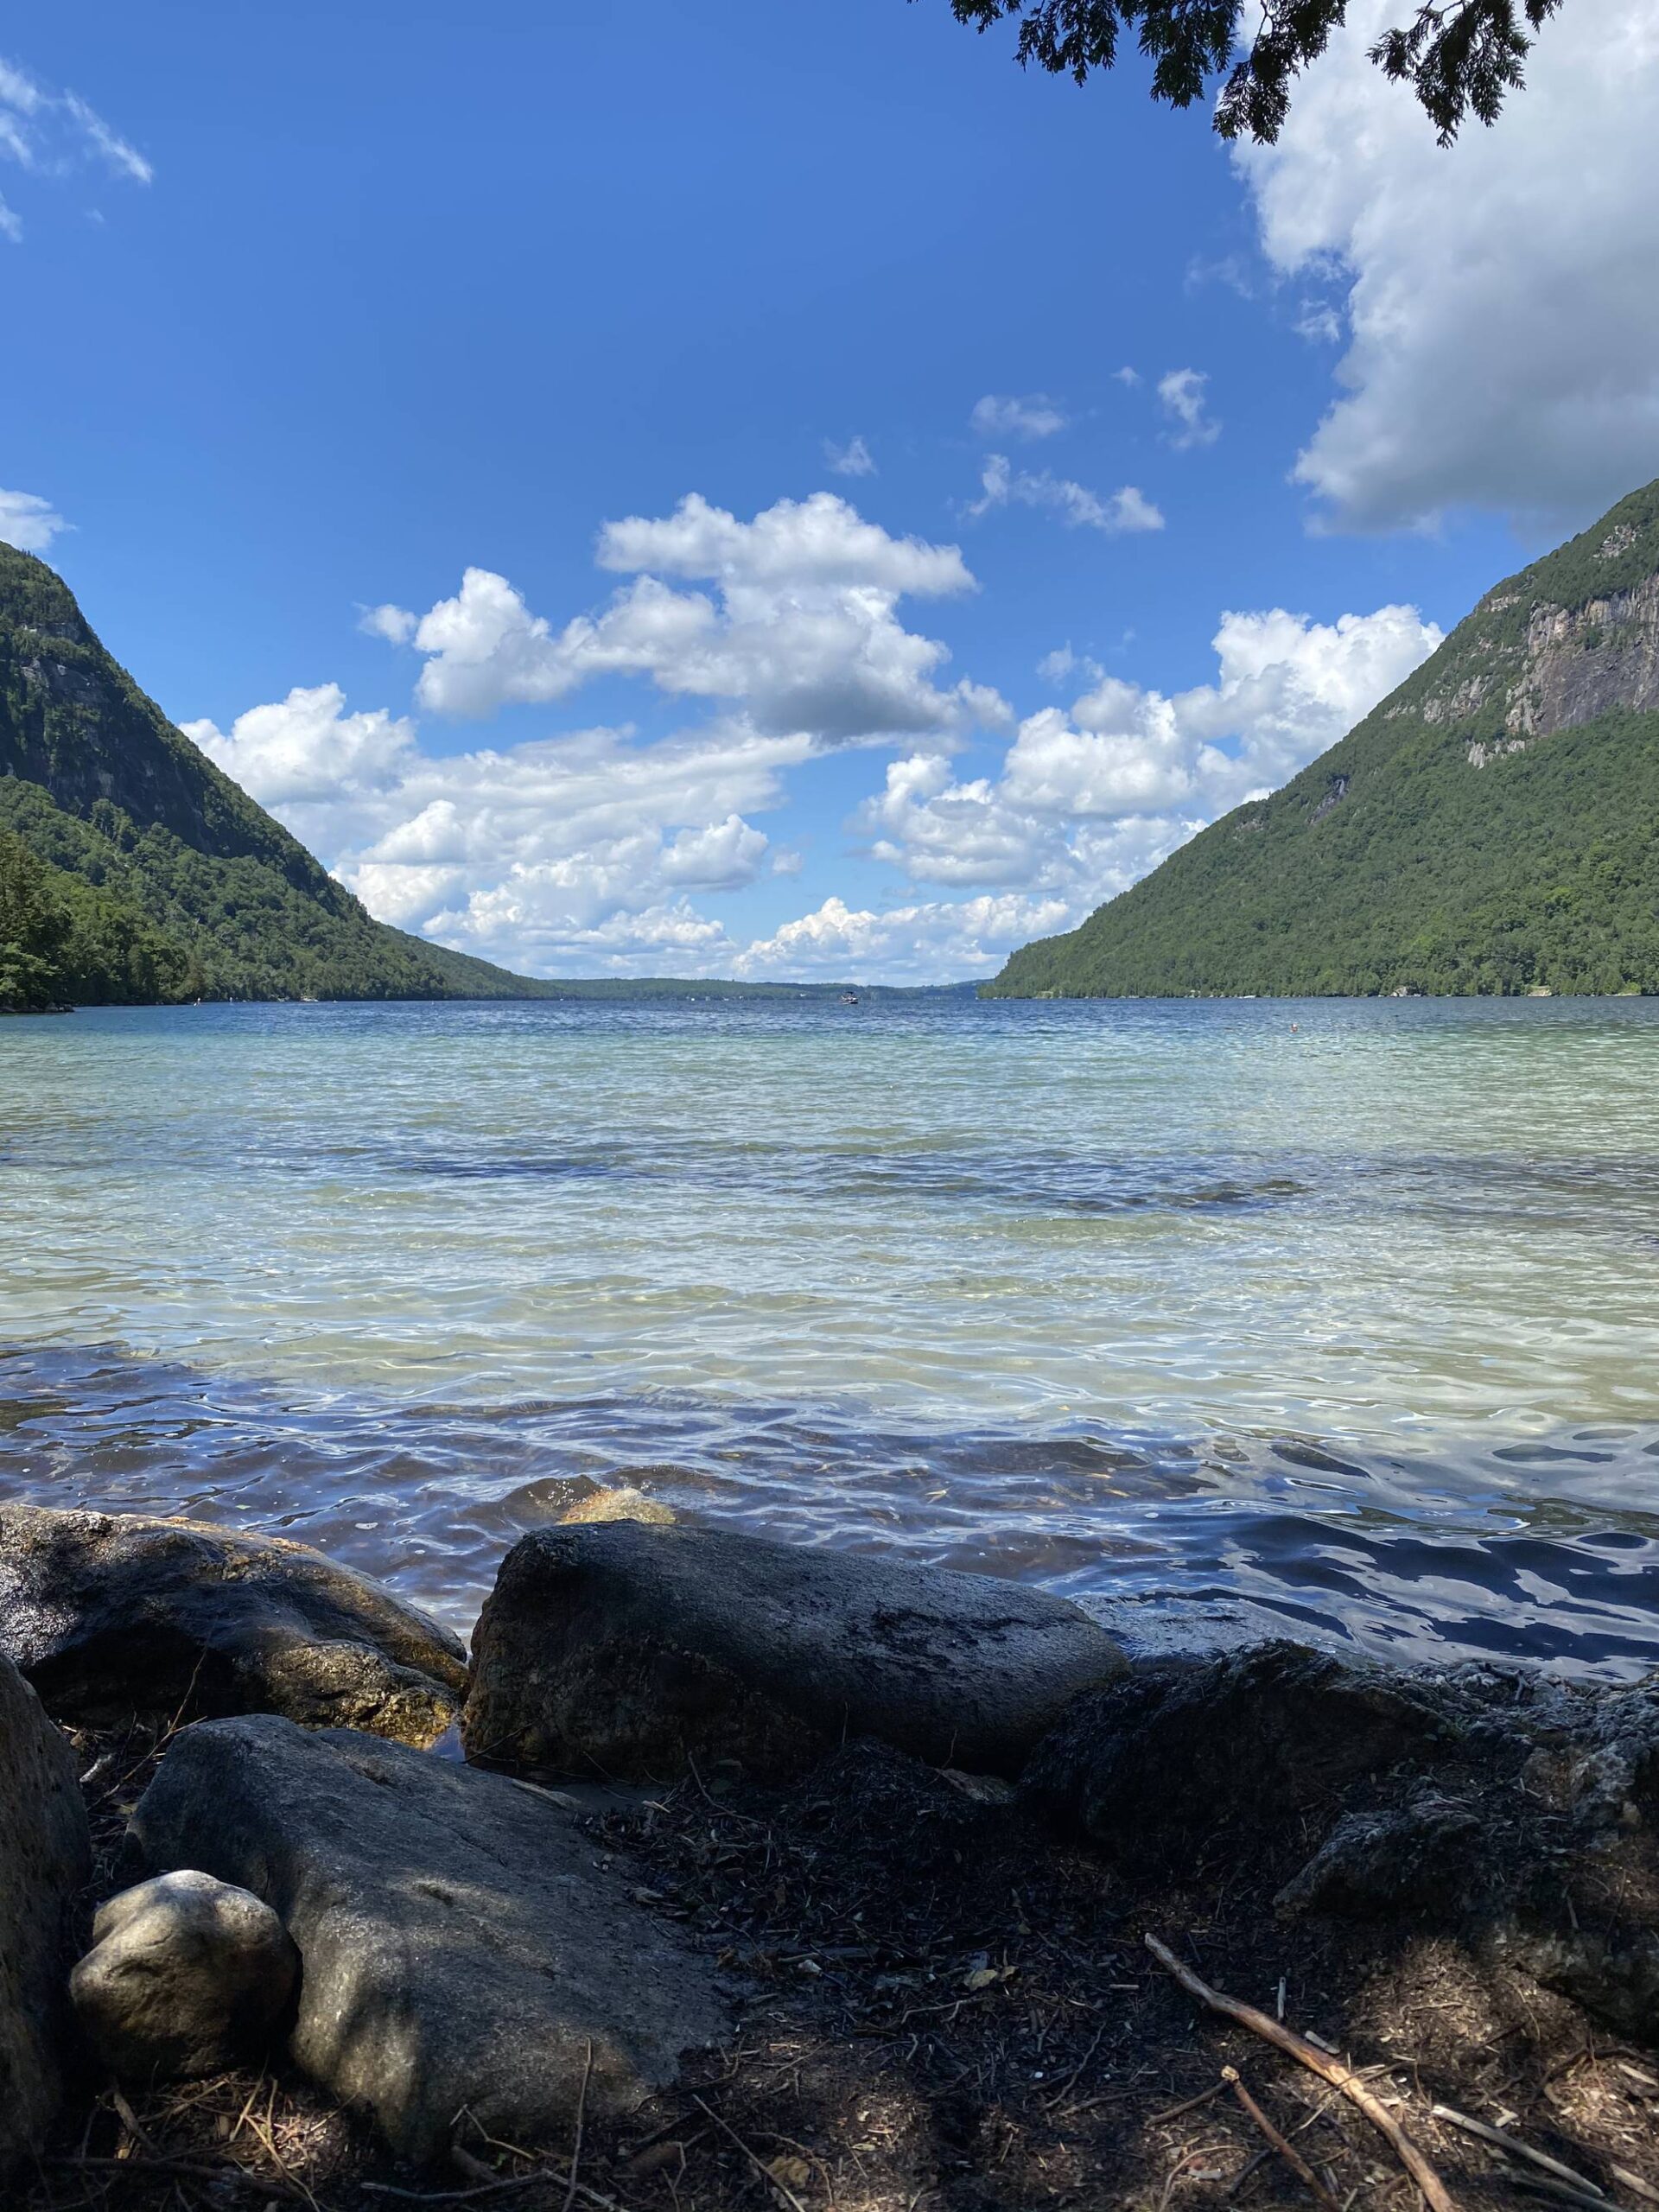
(1338, 1315)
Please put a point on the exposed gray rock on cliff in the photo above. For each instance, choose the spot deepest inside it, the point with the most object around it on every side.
(633, 1651)
(109, 1613)
(1583, 661)
(464, 1946)
(44, 1859)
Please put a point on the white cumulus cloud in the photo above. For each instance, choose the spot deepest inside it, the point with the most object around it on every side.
(29, 521)
(798, 630)
(1088, 799)
(307, 748)
(1500, 296)
(563, 851)
(928, 942)
(1000, 484)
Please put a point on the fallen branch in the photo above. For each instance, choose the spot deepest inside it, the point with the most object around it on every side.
(1330, 2070)
(753, 2157)
(1292, 2156)
(1518, 2149)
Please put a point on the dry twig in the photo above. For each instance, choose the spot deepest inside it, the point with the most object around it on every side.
(1333, 2070)
(753, 2157)
(581, 2108)
(1292, 2156)
(1518, 2149)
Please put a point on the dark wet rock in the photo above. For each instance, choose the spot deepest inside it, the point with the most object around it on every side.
(463, 1944)
(1263, 1736)
(107, 1613)
(1518, 1813)
(187, 1975)
(1425, 1854)
(636, 1651)
(44, 1859)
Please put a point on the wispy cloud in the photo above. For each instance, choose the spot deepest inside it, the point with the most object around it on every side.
(1181, 396)
(1036, 415)
(396, 625)
(29, 521)
(854, 458)
(51, 135)
(1001, 485)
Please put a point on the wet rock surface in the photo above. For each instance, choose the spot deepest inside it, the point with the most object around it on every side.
(45, 1858)
(637, 1652)
(1514, 1812)
(465, 1948)
(626, 1503)
(187, 1975)
(109, 1612)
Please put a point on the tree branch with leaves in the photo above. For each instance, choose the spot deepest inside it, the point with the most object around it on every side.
(1461, 60)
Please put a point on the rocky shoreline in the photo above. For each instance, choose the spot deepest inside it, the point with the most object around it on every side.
(772, 1875)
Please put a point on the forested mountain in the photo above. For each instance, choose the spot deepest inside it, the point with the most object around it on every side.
(1489, 828)
(131, 868)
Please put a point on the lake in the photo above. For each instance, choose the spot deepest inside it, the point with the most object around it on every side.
(1333, 1318)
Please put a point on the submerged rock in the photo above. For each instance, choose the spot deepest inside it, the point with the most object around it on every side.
(186, 1975)
(1517, 1814)
(463, 1947)
(626, 1503)
(109, 1613)
(44, 1859)
(635, 1652)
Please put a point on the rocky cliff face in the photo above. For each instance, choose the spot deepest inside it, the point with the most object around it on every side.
(1583, 661)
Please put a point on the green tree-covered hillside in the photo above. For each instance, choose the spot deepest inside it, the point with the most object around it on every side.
(1490, 827)
(131, 868)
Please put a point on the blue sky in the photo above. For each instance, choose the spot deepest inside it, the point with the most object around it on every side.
(312, 310)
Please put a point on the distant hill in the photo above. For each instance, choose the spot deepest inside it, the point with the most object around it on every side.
(133, 871)
(1493, 826)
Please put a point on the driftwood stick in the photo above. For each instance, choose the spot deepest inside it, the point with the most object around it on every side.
(1292, 2156)
(1518, 2149)
(1333, 2070)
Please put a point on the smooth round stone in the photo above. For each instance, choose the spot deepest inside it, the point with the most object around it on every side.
(186, 1975)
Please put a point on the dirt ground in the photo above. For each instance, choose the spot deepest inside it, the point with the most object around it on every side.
(945, 2010)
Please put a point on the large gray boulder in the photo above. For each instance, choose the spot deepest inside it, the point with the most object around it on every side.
(106, 1613)
(186, 1975)
(45, 1861)
(464, 1946)
(634, 1652)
